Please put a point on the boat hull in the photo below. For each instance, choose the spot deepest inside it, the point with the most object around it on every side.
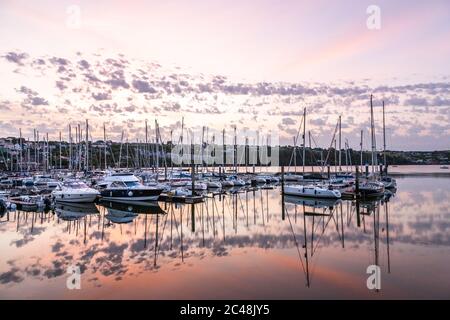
(312, 193)
(75, 198)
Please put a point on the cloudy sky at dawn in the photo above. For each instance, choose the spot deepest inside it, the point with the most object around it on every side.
(253, 64)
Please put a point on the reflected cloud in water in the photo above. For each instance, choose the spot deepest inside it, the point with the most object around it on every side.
(226, 236)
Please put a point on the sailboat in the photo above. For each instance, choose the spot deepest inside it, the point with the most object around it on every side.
(372, 188)
(312, 191)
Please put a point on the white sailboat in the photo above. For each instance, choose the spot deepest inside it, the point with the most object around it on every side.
(312, 191)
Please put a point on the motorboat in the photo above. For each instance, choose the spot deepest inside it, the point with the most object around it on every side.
(183, 195)
(127, 187)
(74, 191)
(30, 203)
(311, 191)
(46, 182)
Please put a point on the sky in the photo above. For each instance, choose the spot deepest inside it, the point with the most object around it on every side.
(324, 47)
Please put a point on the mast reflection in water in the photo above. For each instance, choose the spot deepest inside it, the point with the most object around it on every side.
(249, 243)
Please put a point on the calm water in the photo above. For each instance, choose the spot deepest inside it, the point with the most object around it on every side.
(238, 246)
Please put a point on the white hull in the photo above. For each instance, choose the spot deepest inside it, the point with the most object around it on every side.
(227, 183)
(214, 185)
(76, 198)
(312, 192)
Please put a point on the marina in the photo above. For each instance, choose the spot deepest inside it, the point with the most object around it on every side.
(220, 159)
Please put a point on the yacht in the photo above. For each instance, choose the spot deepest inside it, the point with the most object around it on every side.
(45, 181)
(311, 191)
(30, 203)
(127, 187)
(74, 191)
(371, 189)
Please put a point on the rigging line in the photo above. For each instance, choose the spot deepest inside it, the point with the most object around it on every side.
(162, 234)
(242, 206)
(295, 142)
(320, 237)
(295, 240)
(336, 224)
(175, 220)
(218, 213)
(331, 145)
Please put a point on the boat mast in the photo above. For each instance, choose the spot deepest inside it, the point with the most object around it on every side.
(181, 138)
(310, 150)
(38, 147)
(225, 152)
(203, 143)
(47, 155)
(235, 150)
(21, 147)
(157, 149)
(120, 150)
(146, 144)
(340, 137)
(304, 137)
(70, 147)
(60, 151)
(361, 153)
(104, 142)
(372, 132)
(384, 139)
(127, 152)
(87, 145)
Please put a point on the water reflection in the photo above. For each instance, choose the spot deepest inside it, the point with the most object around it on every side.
(324, 216)
(225, 236)
(74, 211)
